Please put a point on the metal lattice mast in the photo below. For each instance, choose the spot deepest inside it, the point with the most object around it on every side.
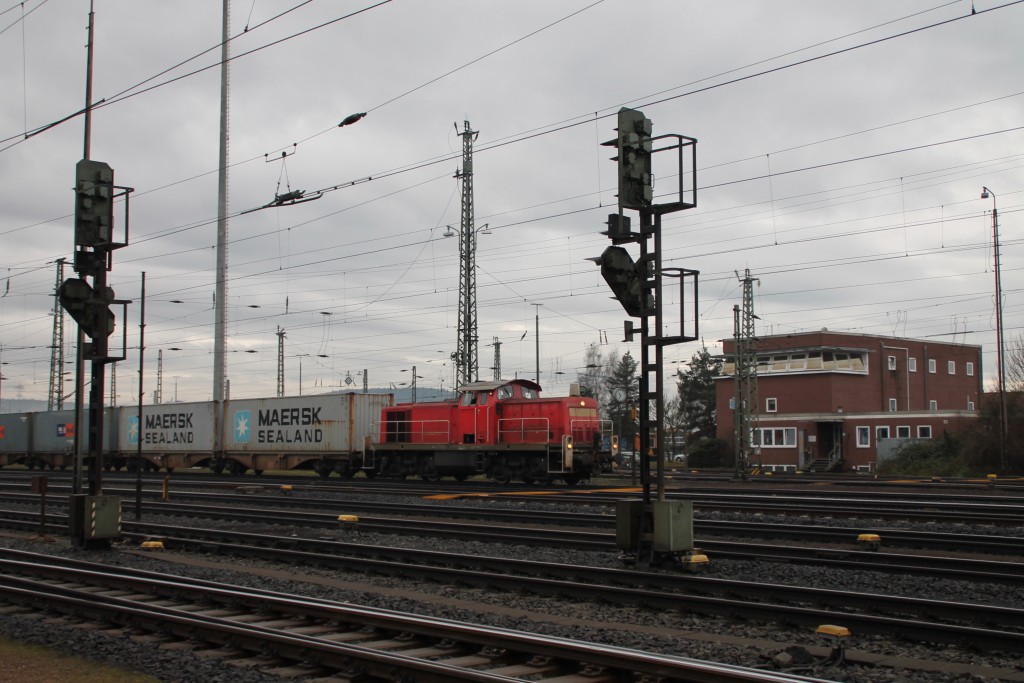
(113, 384)
(497, 359)
(747, 407)
(158, 395)
(466, 353)
(55, 400)
(280, 363)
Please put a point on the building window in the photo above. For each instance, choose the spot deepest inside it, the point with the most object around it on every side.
(924, 431)
(970, 404)
(903, 432)
(892, 405)
(912, 365)
(969, 369)
(951, 367)
(933, 406)
(771, 405)
(892, 362)
(774, 438)
(881, 433)
(931, 366)
(732, 403)
(863, 437)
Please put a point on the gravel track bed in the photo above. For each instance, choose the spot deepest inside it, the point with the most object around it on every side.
(743, 643)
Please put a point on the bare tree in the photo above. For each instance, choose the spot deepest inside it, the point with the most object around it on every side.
(1015, 363)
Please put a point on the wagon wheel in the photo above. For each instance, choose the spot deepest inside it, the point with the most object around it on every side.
(571, 479)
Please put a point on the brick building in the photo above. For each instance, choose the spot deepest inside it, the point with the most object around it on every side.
(832, 400)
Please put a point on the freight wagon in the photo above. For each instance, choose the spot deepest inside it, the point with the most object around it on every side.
(502, 429)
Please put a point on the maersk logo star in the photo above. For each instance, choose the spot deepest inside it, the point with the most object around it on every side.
(242, 421)
(133, 430)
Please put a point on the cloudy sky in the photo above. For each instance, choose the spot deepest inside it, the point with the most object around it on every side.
(842, 151)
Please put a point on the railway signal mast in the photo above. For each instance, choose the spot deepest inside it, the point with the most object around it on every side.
(94, 518)
(652, 531)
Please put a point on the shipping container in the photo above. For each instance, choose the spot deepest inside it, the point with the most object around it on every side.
(168, 428)
(323, 424)
(14, 437)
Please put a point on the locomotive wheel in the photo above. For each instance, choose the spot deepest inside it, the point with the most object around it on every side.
(370, 474)
(344, 470)
(257, 472)
(460, 477)
(217, 469)
(571, 479)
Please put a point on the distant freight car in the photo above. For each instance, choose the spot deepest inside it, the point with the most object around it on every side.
(45, 439)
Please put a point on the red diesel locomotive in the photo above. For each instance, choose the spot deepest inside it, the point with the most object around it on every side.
(502, 429)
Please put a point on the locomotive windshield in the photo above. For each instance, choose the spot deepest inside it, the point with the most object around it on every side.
(528, 392)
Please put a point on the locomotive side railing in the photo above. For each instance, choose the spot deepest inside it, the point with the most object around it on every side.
(524, 430)
(417, 431)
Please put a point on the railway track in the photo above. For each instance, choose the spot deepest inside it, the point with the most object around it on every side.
(920, 619)
(913, 507)
(298, 636)
(309, 510)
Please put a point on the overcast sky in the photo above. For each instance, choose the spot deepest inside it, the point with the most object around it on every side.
(842, 151)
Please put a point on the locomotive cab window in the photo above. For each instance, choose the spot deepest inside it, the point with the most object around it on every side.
(528, 392)
(469, 399)
(483, 398)
(504, 392)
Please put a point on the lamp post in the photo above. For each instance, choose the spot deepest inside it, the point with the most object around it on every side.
(1000, 361)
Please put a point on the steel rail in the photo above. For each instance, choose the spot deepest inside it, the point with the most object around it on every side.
(384, 664)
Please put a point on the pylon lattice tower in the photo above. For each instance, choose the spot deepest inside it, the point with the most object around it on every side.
(158, 395)
(280, 362)
(747, 407)
(497, 359)
(466, 352)
(55, 400)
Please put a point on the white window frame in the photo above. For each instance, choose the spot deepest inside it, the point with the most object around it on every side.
(864, 437)
(951, 367)
(732, 403)
(912, 364)
(892, 362)
(969, 368)
(932, 366)
(924, 431)
(902, 430)
(970, 405)
(893, 405)
(786, 434)
(933, 405)
(771, 405)
(878, 433)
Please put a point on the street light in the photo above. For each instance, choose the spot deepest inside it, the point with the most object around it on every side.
(985, 192)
